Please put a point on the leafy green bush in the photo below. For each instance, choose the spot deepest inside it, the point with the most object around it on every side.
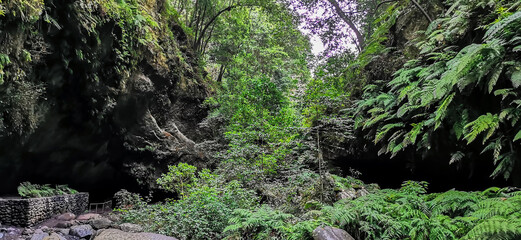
(203, 210)
(29, 190)
(180, 178)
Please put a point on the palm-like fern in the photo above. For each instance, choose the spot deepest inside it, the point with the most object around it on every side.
(435, 91)
(411, 213)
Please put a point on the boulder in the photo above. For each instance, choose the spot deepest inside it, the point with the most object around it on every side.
(129, 227)
(331, 233)
(65, 224)
(347, 194)
(39, 236)
(66, 217)
(87, 216)
(362, 192)
(124, 199)
(100, 223)
(115, 234)
(82, 231)
(55, 236)
(65, 231)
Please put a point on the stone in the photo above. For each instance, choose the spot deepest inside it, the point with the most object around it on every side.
(65, 231)
(114, 217)
(115, 234)
(39, 236)
(82, 231)
(28, 231)
(55, 236)
(129, 227)
(87, 216)
(100, 223)
(66, 217)
(362, 192)
(65, 224)
(331, 233)
(125, 199)
(346, 194)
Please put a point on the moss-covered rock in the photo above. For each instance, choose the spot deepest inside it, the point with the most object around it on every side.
(94, 90)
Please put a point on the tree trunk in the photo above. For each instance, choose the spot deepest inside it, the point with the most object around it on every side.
(360, 39)
(221, 73)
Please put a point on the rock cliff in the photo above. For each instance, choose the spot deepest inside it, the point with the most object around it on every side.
(95, 92)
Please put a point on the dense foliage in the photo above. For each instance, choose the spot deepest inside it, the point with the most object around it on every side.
(468, 91)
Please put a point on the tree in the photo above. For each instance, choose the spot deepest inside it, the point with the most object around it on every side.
(338, 22)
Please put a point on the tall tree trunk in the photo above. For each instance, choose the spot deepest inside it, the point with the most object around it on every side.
(221, 73)
(360, 39)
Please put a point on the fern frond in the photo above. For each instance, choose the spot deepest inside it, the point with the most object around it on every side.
(456, 157)
(441, 112)
(498, 27)
(483, 123)
(496, 229)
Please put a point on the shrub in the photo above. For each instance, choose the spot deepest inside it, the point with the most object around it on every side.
(203, 210)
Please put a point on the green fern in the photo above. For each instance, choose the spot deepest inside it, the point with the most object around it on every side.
(501, 25)
(486, 122)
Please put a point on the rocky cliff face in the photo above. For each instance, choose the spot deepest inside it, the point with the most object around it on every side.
(96, 93)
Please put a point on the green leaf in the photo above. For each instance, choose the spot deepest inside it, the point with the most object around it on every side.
(486, 122)
(442, 110)
(518, 136)
(516, 79)
(495, 76)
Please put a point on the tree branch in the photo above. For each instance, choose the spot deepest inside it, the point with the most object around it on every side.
(416, 4)
(213, 20)
(360, 39)
(382, 3)
(422, 10)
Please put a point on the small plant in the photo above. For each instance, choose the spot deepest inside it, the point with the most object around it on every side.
(29, 190)
(4, 61)
(179, 178)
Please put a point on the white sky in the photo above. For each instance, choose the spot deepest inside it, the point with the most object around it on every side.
(317, 45)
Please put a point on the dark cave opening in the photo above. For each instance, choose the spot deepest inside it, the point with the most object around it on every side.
(392, 172)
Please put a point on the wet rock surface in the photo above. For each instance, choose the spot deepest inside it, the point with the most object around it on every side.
(331, 233)
(83, 227)
(115, 234)
(82, 231)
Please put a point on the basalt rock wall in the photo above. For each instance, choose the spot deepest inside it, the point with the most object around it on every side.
(27, 212)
